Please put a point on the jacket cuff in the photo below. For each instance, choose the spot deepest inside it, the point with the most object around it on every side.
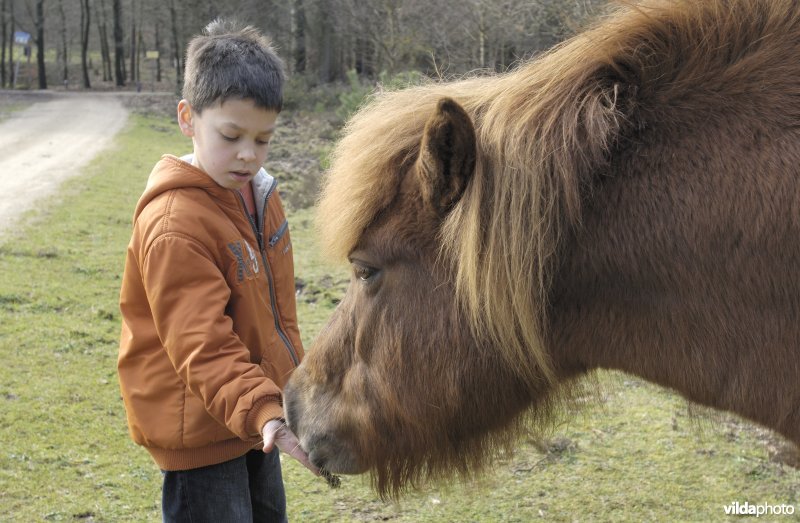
(264, 410)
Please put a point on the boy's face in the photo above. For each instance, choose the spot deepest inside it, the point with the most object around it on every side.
(230, 139)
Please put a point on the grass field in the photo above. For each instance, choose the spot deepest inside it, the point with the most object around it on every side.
(632, 452)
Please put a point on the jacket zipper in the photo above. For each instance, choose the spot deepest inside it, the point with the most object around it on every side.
(259, 230)
(278, 235)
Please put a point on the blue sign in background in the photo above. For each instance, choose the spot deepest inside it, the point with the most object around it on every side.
(21, 37)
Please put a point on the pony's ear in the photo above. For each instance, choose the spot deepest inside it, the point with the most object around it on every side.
(447, 156)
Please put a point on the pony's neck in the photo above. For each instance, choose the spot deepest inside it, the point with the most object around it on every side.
(685, 277)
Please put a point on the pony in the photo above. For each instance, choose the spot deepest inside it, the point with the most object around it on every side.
(628, 200)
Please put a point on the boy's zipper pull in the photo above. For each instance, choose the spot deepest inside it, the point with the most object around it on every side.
(279, 234)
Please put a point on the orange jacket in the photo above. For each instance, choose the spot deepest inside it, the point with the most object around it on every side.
(209, 326)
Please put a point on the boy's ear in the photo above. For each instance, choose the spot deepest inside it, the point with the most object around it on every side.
(185, 118)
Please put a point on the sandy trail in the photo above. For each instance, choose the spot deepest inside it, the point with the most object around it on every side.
(49, 142)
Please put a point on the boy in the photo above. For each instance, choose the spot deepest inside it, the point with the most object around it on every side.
(209, 331)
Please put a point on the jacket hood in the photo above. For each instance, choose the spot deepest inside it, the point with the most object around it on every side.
(172, 172)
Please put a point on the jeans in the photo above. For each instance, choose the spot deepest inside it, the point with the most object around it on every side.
(245, 489)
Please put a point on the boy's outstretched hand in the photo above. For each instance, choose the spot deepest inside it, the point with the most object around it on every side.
(275, 432)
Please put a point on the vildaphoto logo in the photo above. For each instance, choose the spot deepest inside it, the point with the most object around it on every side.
(758, 509)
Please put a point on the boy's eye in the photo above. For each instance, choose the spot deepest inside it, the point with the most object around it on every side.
(262, 142)
(229, 138)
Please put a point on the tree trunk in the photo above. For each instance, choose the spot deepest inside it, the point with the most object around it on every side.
(3, 41)
(119, 50)
(134, 79)
(105, 51)
(299, 36)
(102, 29)
(64, 54)
(158, 50)
(365, 57)
(11, 74)
(482, 41)
(40, 44)
(325, 42)
(140, 54)
(133, 50)
(177, 50)
(85, 24)
(391, 45)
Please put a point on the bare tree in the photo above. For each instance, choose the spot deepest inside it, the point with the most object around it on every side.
(63, 51)
(383, 35)
(4, 23)
(119, 50)
(39, 22)
(158, 50)
(491, 34)
(3, 42)
(86, 19)
(299, 36)
(12, 73)
(326, 14)
(105, 50)
(136, 38)
(321, 39)
(177, 46)
(33, 24)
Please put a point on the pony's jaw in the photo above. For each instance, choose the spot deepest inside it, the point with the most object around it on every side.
(309, 419)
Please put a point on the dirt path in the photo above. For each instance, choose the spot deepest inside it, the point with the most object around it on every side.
(50, 141)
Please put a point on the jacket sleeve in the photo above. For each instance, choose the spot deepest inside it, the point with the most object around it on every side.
(188, 295)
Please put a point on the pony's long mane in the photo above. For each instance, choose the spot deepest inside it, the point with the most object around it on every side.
(544, 132)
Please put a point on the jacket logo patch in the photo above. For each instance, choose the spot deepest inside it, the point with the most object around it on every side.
(246, 264)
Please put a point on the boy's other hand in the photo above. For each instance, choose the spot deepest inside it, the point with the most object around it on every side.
(275, 432)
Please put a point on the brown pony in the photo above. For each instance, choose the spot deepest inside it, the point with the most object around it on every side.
(630, 200)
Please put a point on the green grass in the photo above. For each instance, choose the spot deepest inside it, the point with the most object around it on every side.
(631, 453)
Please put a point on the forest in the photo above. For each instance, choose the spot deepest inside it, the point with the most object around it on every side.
(140, 44)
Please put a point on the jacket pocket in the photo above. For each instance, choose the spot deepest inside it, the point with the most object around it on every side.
(279, 235)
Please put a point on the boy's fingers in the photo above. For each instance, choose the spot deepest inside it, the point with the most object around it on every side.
(276, 433)
(269, 441)
(300, 455)
(269, 433)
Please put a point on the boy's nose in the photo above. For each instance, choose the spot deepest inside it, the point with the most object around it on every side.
(247, 154)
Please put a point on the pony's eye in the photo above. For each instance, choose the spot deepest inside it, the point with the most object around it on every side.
(362, 272)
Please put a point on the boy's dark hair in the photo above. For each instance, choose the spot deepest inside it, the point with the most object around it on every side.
(229, 61)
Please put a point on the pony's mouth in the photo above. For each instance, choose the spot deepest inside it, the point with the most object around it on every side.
(326, 454)
(325, 451)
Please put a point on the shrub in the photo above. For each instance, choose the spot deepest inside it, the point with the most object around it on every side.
(360, 92)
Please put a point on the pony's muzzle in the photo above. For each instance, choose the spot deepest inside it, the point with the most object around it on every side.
(309, 422)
